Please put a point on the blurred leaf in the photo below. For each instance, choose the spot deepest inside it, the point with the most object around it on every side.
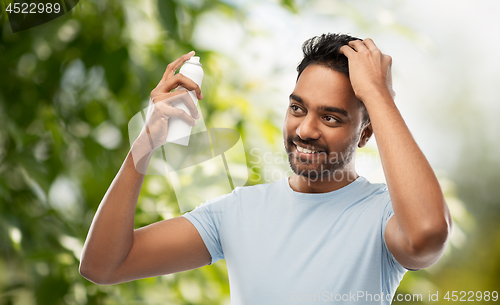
(290, 5)
(167, 11)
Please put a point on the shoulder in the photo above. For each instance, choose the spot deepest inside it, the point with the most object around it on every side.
(373, 191)
(259, 189)
(372, 198)
(239, 194)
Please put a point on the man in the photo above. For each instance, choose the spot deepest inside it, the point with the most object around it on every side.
(323, 234)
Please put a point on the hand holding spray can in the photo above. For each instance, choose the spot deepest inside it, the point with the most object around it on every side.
(178, 130)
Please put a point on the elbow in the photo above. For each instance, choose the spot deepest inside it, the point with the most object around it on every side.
(430, 241)
(89, 275)
(93, 275)
(426, 248)
(432, 236)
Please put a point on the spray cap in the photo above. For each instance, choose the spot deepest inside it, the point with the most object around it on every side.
(195, 60)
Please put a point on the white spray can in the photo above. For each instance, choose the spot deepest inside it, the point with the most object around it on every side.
(178, 130)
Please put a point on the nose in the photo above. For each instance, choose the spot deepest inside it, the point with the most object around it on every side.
(308, 128)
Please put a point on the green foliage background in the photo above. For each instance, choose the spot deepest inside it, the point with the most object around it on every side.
(67, 84)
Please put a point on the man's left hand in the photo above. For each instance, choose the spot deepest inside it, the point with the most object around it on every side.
(369, 69)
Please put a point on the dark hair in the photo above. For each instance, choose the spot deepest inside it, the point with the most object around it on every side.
(324, 51)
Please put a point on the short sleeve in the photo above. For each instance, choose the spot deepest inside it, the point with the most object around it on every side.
(388, 212)
(207, 219)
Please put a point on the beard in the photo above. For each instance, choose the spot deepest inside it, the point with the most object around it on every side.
(323, 164)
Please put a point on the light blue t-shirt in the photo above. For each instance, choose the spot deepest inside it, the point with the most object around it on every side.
(286, 247)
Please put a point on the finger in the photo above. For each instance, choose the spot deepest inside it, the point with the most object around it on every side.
(164, 96)
(176, 64)
(178, 96)
(347, 51)
(180, 80)
(181, 114)
(387, 59)
(358, 45)
(370, 44)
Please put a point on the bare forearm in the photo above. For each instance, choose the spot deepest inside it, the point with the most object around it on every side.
(418, 202)
(111, 234)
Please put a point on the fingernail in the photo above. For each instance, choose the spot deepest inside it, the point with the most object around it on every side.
(197, 115)
(195, 123)
(201, 95)
(192, 52)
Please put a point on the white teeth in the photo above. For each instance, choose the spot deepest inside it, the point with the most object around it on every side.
(305, 150)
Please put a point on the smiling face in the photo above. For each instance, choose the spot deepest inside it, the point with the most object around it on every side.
(323, 124)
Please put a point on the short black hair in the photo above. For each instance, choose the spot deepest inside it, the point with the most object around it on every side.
(324, 51)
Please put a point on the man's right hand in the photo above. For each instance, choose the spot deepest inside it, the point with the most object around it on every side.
(160, 109)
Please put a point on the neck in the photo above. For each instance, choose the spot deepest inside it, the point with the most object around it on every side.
(331, 183)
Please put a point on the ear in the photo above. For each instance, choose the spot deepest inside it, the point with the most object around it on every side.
(366, 134)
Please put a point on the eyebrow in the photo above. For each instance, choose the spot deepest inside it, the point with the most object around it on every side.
(338, 110)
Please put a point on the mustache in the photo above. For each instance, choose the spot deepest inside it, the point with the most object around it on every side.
(295, 139)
